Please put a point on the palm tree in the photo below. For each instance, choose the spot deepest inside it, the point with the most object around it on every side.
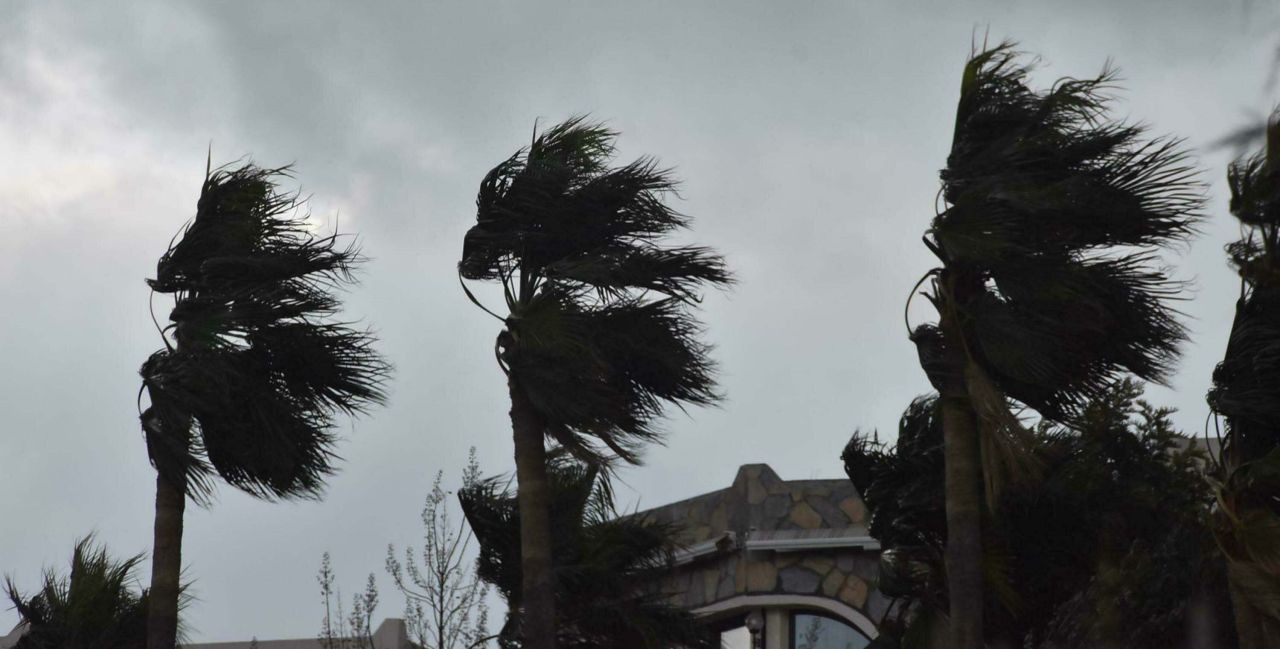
(602, 560)
(95, 607)
(1246, 393)
(254, 370)
(1048, 288)
(597, 338)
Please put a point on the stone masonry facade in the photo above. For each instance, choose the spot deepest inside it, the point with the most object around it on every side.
(773, 536)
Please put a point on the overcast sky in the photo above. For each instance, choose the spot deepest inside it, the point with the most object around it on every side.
(808, 135)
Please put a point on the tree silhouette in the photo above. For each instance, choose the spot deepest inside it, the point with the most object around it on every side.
(254, 369)
(1246, 394)
(597, 338)
(445, 605)
(1048, 289)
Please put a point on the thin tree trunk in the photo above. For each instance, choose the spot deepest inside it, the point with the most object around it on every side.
(166, 565)
(962, 454)
(538, 623)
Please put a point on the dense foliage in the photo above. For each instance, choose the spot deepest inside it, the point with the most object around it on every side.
(600, 559)
(1110, 548)
(93, 607)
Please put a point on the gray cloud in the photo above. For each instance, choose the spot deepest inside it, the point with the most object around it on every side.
(808, 134)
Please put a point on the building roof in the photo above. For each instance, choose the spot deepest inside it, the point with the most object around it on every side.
(391, 634)
(764, 512)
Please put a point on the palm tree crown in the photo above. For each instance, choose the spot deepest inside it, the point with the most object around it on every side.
(257, 370)
(1052, 215)
(597, 333)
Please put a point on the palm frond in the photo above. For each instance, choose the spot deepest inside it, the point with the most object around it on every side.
(93, 606)
(1054, 215)
(599, 335)
(260, 369)
(606, 372)
(1245, 384)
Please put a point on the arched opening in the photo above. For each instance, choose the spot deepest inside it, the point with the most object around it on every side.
(791, 622)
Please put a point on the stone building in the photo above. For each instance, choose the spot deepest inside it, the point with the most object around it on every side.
(790, 559)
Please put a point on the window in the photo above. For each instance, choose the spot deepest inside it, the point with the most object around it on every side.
(816, 631)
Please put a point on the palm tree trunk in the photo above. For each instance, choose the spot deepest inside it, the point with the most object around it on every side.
(962, 454)
(538, 592)
(166, 565)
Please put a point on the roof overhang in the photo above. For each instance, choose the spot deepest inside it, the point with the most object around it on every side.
(777, 541)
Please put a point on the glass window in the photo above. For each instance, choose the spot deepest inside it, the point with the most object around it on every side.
(814, 631)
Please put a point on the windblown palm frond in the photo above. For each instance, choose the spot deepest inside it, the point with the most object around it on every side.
(598, 332)
(257, 369)
(1246, 386)
(1052, 218)
(1246, 392)
(602, 562)
(94, 607)
(904, 481)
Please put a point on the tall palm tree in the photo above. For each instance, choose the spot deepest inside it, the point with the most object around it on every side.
(1048, 288)
(93, 607)
(1246, 393)
(254, 369)
(597, 336)
(603, 562)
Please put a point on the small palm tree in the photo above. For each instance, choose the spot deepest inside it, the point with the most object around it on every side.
(1048, 289)
(603, 563)
(94, 607)
(254, 370)
(597, 336)
(1246, 393)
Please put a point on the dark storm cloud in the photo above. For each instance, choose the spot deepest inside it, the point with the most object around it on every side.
(808, 135)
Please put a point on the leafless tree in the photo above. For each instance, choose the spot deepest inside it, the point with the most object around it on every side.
(341, 631)
(445, 605)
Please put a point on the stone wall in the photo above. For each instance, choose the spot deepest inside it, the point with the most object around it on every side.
(846, 576)
(761, 505)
